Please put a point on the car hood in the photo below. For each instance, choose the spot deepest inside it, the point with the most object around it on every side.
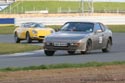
(66, 36)
(38, 29)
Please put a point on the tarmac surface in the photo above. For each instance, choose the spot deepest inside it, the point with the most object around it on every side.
(38, 57)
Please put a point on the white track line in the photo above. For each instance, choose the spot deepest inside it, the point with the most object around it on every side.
(24, 53)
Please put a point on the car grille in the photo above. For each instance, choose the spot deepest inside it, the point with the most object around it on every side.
(61, 47)
(41, 36)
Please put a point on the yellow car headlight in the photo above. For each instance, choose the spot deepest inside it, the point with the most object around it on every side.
(52, 31)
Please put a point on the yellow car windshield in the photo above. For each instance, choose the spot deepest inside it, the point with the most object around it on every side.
(37, 25)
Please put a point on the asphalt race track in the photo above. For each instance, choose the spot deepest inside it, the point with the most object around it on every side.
(38, 57)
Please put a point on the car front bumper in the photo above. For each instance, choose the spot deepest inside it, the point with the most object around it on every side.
(77, 47)
(38, 37)
(53, 48)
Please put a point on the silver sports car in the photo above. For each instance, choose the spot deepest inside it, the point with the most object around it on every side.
(79, 36)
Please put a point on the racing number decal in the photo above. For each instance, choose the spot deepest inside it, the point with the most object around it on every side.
(100, 39)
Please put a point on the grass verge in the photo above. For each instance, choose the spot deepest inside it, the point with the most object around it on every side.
(117, 28)
(8, 48)
(6, 29)
(65, 65)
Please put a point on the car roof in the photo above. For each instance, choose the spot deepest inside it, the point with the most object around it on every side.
(31, 23)
(82, 22)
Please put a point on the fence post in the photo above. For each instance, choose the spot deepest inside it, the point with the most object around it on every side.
(117, 11)
(10, 9)
(22, 9)
(59, 10)
(69, 10)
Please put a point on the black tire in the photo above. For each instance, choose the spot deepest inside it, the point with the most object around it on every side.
(49, 53)
(83, 52)
(71, 52)
(108, 46)
(28, 39)
(88, 47)
(17, 40)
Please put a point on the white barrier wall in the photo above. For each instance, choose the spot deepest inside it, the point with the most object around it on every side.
(108, 20)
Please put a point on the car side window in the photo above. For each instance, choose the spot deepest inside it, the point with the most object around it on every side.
(103, 27)
(26, 25)
(98, 27)
(22, 26)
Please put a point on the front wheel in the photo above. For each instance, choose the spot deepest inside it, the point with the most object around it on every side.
(88, 47)
(28, 39)
(83, 52)
(108, 46)
(17, 40)
(49, 53)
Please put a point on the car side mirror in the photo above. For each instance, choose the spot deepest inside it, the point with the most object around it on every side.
(98, 31)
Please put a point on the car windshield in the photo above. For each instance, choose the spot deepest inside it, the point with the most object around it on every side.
(78, 26)
(36, 25)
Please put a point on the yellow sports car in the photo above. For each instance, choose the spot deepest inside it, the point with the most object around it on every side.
(31, 31)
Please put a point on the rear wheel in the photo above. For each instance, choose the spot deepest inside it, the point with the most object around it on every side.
(49, 53)
(28, 39)
(17, 40)
(71, 52)
(88, 47)
(108, 46)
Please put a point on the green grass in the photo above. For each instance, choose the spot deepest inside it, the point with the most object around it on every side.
(99, 6)
(56, 27)
(117, 28)
(54, 6)
(65, 65)
(6, 29)
(8, 48)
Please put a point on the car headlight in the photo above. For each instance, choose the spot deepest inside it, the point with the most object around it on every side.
(47, 43)
(52, 31)
(80, 41)
(34, 32)
(76, 43)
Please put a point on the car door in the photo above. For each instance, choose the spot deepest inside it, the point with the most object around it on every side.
(19, 31)
(104, 34)
(23, 31)
(98, 36)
